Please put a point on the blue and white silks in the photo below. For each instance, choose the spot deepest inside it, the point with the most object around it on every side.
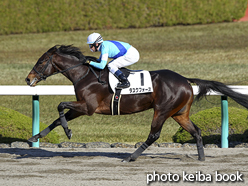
(110, 49)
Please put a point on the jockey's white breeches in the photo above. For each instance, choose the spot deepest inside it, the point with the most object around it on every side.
(132, 56)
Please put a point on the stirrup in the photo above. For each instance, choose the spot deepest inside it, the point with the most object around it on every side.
(123, 85)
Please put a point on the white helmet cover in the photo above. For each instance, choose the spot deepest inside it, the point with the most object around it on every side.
(94, 38)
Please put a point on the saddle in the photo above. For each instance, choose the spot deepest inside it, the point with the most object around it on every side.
(140, 82)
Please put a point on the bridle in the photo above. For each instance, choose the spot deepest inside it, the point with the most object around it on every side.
(42, 76)
(50, 60)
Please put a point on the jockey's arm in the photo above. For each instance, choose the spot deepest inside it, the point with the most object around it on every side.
(102, 62)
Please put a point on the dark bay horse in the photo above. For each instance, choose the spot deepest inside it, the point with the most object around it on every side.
(172, 95)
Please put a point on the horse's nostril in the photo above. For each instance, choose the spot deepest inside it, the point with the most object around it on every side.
(27, 80)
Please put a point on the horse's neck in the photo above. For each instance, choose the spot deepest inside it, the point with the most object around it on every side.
(80, 71)
(73, 68)
(88, 73)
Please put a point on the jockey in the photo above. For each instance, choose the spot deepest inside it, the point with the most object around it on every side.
(123, 54)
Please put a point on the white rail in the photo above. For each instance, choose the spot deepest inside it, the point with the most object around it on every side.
(42, 90)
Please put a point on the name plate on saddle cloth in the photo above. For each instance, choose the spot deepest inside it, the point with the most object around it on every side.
(140, 83)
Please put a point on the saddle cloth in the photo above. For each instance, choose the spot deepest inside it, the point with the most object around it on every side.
(140, 82)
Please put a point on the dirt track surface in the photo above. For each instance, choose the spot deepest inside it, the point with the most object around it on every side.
(103, 166)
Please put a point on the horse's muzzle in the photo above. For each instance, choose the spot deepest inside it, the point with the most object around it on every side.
(27, 81)
(31, 82)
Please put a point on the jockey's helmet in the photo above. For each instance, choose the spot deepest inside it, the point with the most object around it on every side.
(94, 38)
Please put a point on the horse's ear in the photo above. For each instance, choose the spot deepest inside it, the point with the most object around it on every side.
(56, 48)
(53, 49)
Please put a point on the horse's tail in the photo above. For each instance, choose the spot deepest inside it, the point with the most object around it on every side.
(205, 86)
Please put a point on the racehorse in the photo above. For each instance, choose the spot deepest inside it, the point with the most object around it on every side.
(172, 95)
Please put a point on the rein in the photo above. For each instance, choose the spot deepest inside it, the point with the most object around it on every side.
(92, 70)
(98, 77)
(43, 77)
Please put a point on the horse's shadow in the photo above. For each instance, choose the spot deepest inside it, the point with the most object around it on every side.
(22, 153)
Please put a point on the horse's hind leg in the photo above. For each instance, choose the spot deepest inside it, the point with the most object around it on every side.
(157, 123)
(189, 126)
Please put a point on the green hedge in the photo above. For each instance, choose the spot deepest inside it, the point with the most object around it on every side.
(209, 121)
(15, 126)
(34, 16)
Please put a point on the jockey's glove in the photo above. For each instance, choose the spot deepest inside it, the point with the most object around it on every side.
(87, 61)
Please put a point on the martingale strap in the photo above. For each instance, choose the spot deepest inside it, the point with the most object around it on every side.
(115, 106)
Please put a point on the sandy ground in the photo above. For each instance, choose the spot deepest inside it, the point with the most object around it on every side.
(103, 166)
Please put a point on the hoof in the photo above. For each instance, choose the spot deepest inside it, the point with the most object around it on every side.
(69, 134)
(125, 160)
(34, 138)
(201, 159)
(128, 159)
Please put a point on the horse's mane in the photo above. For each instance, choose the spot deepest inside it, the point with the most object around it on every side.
(72, 51)
(68, 50)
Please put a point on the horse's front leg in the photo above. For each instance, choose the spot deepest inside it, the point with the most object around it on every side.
(63, 121)
(79, 109)
(45, 131)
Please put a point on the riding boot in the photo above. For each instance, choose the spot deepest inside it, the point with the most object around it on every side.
(124, 83)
